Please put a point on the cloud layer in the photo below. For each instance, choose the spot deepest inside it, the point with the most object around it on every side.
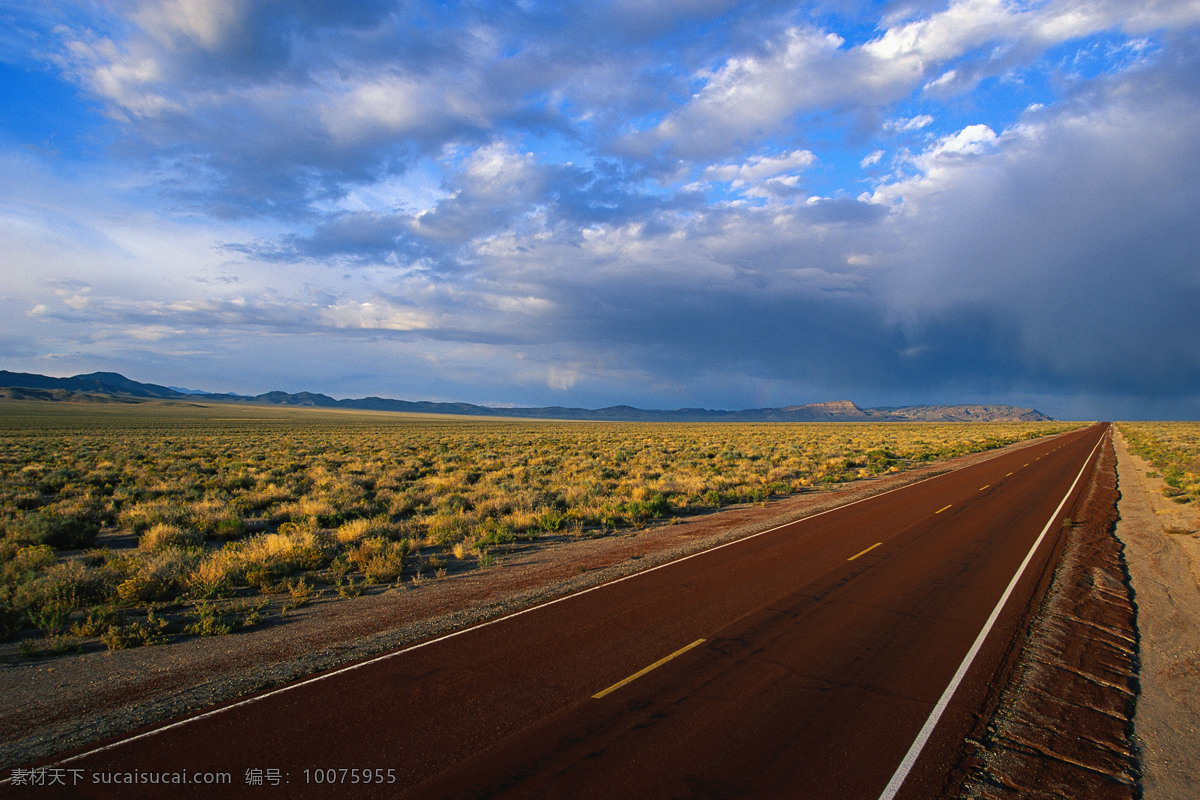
(716, 203)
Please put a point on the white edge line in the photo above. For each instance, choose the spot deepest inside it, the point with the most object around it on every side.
(385, 656)
(910, 758)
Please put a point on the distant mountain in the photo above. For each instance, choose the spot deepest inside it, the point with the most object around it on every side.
(113, 387)
(967, 413)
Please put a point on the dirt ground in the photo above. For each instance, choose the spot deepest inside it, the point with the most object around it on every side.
(1162, 550)
(54, 704)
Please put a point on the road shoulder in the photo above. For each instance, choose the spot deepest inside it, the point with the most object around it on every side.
(1164, 566)
(1060, 727)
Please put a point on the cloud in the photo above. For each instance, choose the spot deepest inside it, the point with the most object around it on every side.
(750, 97)
(904, 125)
(1073, 225)
(674, 203)
(376, 316)
(971, 140)
(761, 168)
(871, 159)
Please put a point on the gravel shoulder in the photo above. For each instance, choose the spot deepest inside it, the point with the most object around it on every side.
(1162, 549)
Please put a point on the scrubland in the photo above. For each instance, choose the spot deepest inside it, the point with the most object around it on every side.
(1173, 448)
(132, 525)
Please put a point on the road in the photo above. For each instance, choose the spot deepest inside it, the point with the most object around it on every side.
(845, 655)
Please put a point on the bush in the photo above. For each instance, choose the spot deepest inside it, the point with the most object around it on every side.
(160, 576)
(291, 549)
(28, 562)
(551, 520)
(380, 560)
(48, 597)
(163, 535)
(216, 519)
(65, 531)
(209, 622)
(492, 532)
(142, 516)
(96, 621)
(215, 575)
(209, 619)
(138, 633)
(364, 527)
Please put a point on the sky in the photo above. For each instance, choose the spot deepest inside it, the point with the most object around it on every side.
(671, 203)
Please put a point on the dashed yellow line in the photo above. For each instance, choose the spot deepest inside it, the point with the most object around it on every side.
(642, 672)
(864, 552)
(940, 510)
(986, 485)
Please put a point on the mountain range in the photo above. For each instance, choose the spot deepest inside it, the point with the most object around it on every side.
(114, 387)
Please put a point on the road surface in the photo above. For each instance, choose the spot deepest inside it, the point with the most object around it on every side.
(845, 655)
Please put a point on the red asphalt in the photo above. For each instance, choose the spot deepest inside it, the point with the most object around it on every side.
(826, 644)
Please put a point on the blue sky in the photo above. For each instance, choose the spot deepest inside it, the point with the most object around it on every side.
(678, 203)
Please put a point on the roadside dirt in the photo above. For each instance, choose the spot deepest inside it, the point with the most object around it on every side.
(1162, 547)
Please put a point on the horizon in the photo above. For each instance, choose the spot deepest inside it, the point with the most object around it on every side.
(707, 205)
(218, 394)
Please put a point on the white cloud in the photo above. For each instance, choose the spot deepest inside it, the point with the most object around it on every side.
(905, 124)
(870, 160)
(129, 81)
(971, 140)
(759, 168)
(922, 175)
(399, 105)
(376, 315)
(963, 25)
(562, 378)
(206, 23)
(943, 81)
(392, 105)
(750, 96)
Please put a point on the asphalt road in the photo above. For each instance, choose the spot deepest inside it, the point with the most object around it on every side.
(803, 662)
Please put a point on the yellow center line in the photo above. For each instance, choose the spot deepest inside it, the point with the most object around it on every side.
(940, 510)
(1007, 474)
(986, 485)
(642, 672)
(864, 552)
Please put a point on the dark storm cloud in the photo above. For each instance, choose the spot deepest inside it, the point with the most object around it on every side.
(1080, 230)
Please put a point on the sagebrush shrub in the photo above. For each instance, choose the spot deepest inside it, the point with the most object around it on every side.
(163, 535)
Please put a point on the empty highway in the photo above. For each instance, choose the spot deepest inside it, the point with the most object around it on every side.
(845, 655)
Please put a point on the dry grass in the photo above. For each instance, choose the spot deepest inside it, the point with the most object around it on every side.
(1174, 450)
